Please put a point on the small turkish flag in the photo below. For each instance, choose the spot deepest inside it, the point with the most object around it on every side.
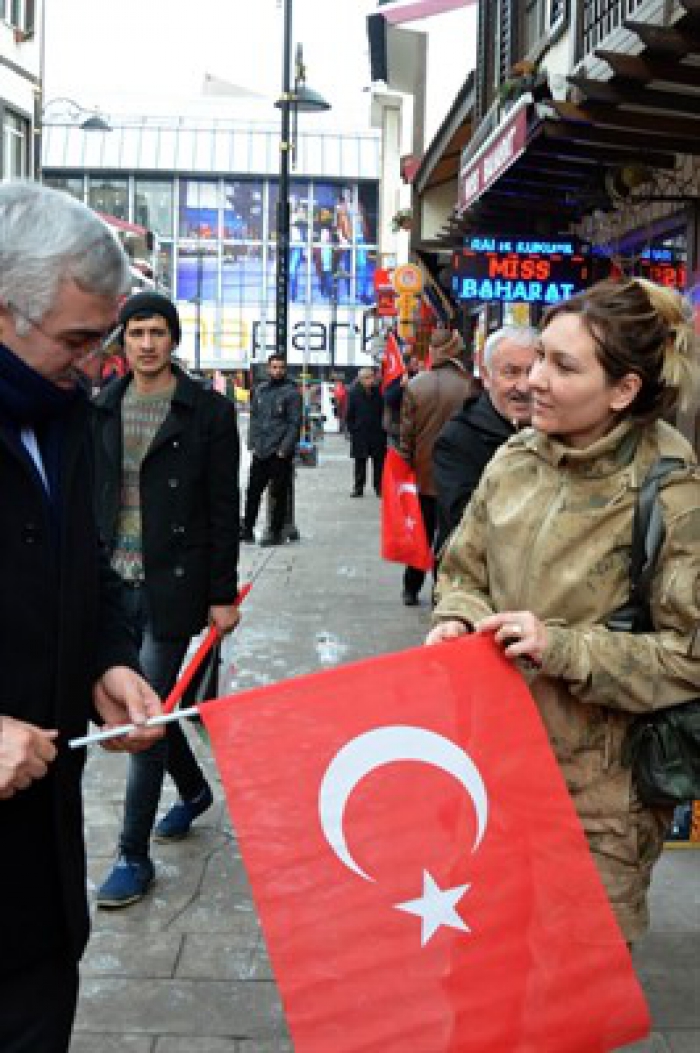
(392, 363)
(420, 873)
(403, 531)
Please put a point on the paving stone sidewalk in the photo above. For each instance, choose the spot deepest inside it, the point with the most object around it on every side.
(186, 970)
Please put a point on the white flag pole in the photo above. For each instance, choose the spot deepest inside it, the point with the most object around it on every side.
(124, 729)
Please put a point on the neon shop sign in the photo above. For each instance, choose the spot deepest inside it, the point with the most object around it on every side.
(519, 270)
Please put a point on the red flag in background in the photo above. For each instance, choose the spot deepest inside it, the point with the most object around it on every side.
(420, 873)
(392, 362)
(403, 531)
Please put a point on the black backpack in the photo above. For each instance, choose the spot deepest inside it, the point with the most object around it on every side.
(663, 747)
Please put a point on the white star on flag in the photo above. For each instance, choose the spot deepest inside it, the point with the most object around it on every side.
(410, 523)
(436, 907)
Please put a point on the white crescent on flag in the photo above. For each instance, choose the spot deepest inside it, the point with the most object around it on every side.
(390, 745)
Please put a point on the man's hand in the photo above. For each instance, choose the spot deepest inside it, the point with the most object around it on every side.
(121, 696)
(225, 617)
(25, 754)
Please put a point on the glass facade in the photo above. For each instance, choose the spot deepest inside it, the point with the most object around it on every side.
(109, 195)
(217, 253)
(153, 206)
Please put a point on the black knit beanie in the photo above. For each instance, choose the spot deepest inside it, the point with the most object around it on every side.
(147, 304)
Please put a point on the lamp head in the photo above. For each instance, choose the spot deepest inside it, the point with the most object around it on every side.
(95, 123)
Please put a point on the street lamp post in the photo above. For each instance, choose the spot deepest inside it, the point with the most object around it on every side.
(296, 98)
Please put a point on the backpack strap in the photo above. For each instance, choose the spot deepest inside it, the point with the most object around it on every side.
(648, 529)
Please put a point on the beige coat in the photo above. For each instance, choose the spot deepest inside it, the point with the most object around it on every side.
(548, 531)
(430, 399)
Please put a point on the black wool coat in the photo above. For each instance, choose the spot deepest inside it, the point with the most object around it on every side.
(364, 421)
(462, 450)
(189, 502)
(61, 626)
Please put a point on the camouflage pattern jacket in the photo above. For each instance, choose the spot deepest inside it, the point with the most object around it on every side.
(549, 531)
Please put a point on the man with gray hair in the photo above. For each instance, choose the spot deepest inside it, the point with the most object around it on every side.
(469, 440)
(67, 650)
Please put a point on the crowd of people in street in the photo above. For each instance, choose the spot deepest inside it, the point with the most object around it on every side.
(120, 533)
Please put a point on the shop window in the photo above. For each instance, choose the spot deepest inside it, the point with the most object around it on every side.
(199, 210)
(198, 274)
(109, 196)
(243, 210)
(241, 274)
(15, 142)
(153, 206)
(19, 13)
(72, 185)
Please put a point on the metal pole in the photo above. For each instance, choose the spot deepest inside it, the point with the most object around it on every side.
(334, 321)
(198, 316)
(282, 297)
(289, 529)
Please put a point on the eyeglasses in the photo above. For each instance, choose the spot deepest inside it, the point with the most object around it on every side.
(82, 346)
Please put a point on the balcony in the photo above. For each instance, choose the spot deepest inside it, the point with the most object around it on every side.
(602, 22)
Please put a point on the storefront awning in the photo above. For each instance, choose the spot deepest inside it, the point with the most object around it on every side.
(557, 160)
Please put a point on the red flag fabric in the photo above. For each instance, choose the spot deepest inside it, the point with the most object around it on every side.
(403, 531)
(421, 876)
(392, 363)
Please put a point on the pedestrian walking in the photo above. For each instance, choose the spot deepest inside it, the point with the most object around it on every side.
(429, 400)
(470, 439)
(541, 559)
(274, 429)
(66, 646)
(166, 466)
(367, 436)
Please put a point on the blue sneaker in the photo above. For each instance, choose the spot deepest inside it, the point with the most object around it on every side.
(128, 883)
(176, 823)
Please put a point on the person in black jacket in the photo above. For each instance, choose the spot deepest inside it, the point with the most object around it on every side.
(469, 439)
(367, 436)
(67, 652)
(274, 429)
(166, 467)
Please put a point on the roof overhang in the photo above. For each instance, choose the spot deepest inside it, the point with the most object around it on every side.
(549, 159)
(440, 163)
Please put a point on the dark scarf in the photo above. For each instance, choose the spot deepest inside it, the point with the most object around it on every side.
(28, 400)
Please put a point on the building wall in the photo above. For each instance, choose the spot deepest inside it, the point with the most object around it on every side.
(20, 83)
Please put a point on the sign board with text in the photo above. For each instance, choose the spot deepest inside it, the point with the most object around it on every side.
(493, 159)
(519, 270)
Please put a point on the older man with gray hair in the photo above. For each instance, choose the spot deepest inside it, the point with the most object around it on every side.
(470, 439)
(67, 649)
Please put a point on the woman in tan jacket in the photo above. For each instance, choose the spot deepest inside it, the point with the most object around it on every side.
(541, 558)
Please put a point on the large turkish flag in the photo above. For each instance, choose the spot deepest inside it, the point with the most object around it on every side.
(421, 876)
(404, 539)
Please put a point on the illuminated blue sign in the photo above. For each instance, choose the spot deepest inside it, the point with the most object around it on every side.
(519, 270)
(512, 292)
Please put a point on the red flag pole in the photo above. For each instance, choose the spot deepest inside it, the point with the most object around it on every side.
(198, 657)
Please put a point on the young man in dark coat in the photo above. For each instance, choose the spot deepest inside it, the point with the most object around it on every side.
(274, 428)
(469, 440)
(166, 467)
(367, 436)
(67, 652)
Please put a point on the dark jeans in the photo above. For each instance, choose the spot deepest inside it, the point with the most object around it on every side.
(37, 1007)
(160, 661)
(412, 577)
(361, 471)
(275, 471)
